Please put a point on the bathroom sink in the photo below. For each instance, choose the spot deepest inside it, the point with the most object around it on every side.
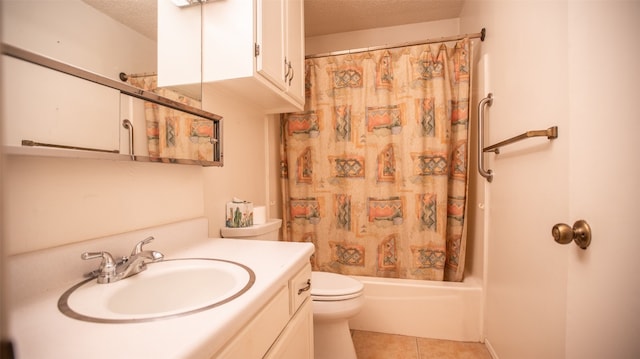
(167, 289)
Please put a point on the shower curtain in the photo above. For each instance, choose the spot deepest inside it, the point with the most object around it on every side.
(172, 134)
(374, 171)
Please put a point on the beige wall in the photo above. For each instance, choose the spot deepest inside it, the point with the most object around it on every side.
(3, 273)
(73, 32)
(244, 174)
(392, 35)
(52, 201)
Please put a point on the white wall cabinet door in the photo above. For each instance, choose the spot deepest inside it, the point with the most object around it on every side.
(280, 42)
(270, 42)
(295, 50)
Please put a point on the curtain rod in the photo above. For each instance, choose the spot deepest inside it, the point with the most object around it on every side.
(125, 77)
(481, 35)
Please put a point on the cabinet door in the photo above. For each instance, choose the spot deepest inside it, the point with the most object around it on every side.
(295, 49)
(270, 38)
(296, 341)
(255, 339)
(228, 38)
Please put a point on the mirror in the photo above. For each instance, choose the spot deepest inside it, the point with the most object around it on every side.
(82, 113)
(156, 133)
(154, 127)
(179, 39)
(175, 30)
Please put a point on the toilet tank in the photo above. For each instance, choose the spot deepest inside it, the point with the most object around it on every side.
(266, 231)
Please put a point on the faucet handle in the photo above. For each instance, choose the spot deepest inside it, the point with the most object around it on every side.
(107, 270)
(138, 248)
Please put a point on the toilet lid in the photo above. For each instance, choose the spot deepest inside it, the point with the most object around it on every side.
(331, 285)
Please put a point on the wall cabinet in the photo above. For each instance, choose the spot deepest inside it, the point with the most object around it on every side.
(283, 329)
(253, 49)
(280, 45)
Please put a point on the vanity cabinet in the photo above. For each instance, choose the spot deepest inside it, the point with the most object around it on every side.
(296, 340)
(250, 48)
(283, 329)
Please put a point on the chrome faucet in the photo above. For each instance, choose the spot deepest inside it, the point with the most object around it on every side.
(111, 270)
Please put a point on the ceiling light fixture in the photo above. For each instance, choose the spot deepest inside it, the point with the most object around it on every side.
(185, 3)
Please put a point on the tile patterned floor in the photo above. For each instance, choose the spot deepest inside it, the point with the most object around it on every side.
(371, 345)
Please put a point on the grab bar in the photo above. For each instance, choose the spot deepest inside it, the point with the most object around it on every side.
(550, 133)
(129, 126)
(488, 174)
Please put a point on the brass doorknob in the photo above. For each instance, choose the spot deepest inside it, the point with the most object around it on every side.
(579, 233)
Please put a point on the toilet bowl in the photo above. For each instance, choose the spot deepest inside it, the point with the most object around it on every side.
(335, 299)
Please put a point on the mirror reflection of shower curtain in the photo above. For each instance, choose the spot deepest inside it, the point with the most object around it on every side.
(172, 134)
(374, 171)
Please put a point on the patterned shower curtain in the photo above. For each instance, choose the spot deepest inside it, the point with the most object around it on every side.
(374, 171)
(172, 134)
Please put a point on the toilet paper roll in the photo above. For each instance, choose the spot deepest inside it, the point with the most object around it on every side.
(259, 215)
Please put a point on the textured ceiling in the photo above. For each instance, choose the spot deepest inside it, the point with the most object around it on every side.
(322, 17)
(140, 15)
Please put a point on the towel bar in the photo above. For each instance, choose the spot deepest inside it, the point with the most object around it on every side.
(550, 133)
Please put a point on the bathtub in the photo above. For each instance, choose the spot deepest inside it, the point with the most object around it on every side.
(427, 309)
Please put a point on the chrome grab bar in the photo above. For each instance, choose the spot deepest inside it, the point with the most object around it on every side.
(129, 126)
(550, 133)
(488, 174)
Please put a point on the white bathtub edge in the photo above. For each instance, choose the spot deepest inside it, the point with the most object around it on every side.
(439, 310)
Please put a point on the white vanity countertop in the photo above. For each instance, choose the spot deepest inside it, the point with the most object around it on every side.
(39, 330)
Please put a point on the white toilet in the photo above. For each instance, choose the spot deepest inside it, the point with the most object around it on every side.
(335, 299)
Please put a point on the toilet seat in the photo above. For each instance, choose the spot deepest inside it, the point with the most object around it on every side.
(329, 287)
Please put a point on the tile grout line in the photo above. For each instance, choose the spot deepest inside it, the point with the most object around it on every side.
(417, 348)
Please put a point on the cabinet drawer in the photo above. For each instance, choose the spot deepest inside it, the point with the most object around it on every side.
(299, 288)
